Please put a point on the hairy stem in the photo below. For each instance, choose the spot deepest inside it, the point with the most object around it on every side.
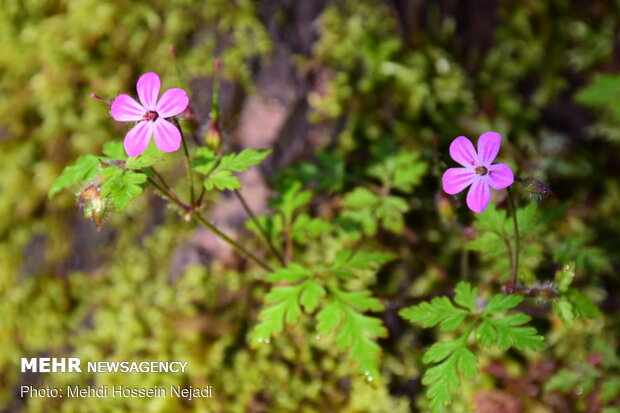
(198, 217)
(161, 178)
(514, 270)
(232, 242)
(166, 186)
(188, 161)
(262, 231)
(169, 195)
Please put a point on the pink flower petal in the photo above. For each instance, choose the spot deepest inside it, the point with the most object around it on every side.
(456, 179)
(126, 109)
(167, 136)
(479, 195)
(463, 152)
(138, 138)
(488, 147)
(500, 176)
(148, 90)
(172, 102)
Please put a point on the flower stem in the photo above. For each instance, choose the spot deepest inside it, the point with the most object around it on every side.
(188, 161)
(198, 217)
(233, 243)
(163, 181)
(169, 195)
(260, 228)
(169, 189)
(510, 287)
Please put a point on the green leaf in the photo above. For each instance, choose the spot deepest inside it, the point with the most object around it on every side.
(564, 277)
(218, 171)
(610, 389)
(114, 151)
(465, 296)
(347, 262)
(355, 332)
(205, 161)
(564, 310)
(508, 331)
(453, 357)
(272, 225)
(311, 294)
(564, 380)
(603, 93)
(281, 307)
(360, 300)
(326, 173)
(243, 160)
(149, 157)
(487, 241)
(496, 237)
(587, 258)
(292, 200)
(121, 186)
(364, 206)
(391, 210)
(492, 219)
(443, 379)
(360, 198)
(582, 306)
(293, 272)
(501, 303)
(85, 168)
(608, 350)
(356, 221)
(402, 170)
(329, 317)
(440, 351)
(364, 260)
(527, 218)
(409, 170)
(439, 311)
(306, 228)
(222, 179)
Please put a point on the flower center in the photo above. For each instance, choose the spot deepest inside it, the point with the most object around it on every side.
(481, 170)
(151, 115)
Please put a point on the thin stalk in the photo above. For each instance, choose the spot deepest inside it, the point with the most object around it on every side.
(198, 217)
(188, 161)
(232, 242)
(202, 194)
(163, 182)
(168, 195)
(161, 178)
(262, 231)
(511, 259)
(510, 287)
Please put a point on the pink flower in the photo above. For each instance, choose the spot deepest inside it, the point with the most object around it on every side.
(151, 115)
(477, 170)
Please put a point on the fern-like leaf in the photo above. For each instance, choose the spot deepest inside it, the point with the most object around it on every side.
(354, 330)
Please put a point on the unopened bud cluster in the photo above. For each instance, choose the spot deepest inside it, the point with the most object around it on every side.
(93, 205)
(535, 187)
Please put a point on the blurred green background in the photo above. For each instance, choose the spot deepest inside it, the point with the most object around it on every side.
(331, 83)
